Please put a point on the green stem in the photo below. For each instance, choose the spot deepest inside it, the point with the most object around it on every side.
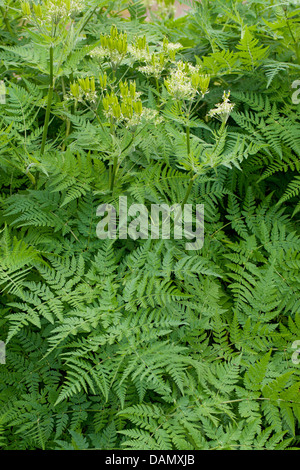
(109, 176)
(188, 191)
(114, 172)
(68, 122)
(188, 145)
(157, 84)
(68, 128)
(192, 178)
(49, 102)
(88, 19)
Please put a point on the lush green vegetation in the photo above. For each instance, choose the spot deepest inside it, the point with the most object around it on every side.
(141, 344)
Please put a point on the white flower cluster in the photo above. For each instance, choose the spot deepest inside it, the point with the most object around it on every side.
(153, 70)
(77, 5)
(151, 115)
(179, 83)
(155, 65)
(180, 86)
(99, 52)
(156, 61)
(142, 55)
(90, 96)
(147, 115)
(83, 96)
(172, 46)
(222, 110)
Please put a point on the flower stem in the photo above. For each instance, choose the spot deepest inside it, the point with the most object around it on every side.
(49, 102)
(68, 122)
(188, 191)
(157, 84)
(188, 145)
(113, 169)
(114, 172)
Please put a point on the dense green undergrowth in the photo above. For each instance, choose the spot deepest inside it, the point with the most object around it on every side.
(142, 344)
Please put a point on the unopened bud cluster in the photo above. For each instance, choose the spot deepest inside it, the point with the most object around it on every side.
(51, 11)
(139, 50)
(113, 45)
(83, 89)
(156, 62)
(127, 107)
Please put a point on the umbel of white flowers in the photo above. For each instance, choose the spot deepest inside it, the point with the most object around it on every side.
(185, 82)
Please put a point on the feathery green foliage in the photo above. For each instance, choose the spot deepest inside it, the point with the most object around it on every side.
(143, 344)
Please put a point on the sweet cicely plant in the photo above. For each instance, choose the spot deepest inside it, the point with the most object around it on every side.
(139, 342)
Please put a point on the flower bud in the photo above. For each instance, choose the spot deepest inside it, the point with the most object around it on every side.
(132, 89)
(37, 10)
(105, 103)
(138, 107)
(113, 32)
(204, 83)
(116, 109)
(92, 84)
(103, 80)
(26, 8)
(75, 91)
(124, 89)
